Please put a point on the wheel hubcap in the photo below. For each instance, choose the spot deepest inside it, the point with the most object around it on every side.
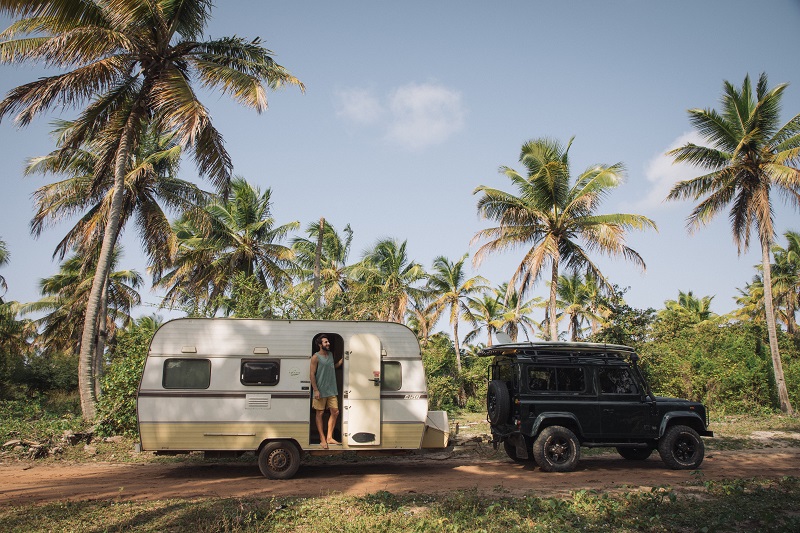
(279, 460)
(558, 451)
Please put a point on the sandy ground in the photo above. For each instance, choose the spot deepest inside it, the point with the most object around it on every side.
(444, 471)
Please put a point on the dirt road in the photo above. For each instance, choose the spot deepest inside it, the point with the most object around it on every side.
(32, 482)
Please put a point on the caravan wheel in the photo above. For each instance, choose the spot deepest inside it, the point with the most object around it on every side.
(279, 460)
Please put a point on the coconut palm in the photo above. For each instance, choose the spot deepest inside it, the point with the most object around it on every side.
(387, 277)
(487, 310)
(230, 235)
(4, 256)
(132, 61)
(515, 313)
(420, 317)
(698, 309)
(333, 256)
(749, 154)
(451, 289)
(786, 280)
(151, 181)
(574, 300)
(551, 216)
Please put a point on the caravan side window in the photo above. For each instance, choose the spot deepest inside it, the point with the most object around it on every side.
(392, 375)
(186, 374)
(260, 372)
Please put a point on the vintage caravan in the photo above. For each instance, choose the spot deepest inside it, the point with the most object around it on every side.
(228, 386)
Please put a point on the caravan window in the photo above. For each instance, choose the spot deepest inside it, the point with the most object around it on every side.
(187, 374)
(260, 372)
(392, 375)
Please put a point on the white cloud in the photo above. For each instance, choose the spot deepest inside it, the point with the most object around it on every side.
(662, 173)
(414, 116)
(424, 115)
(359, 106)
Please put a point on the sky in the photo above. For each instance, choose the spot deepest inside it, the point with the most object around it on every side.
(409, 106)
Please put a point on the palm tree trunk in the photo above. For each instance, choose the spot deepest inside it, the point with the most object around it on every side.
(553, 293)
(86, 358)
(777, 366)
(457, 347)
(102, 333)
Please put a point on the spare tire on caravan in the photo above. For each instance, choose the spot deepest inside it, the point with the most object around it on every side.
(229, 386)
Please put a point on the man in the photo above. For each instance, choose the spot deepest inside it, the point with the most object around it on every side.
(323, 382)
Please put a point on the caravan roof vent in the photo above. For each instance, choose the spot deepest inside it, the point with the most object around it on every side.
(188, 349)
(261, 350)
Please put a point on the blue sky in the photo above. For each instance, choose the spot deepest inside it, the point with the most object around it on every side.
(411, 105)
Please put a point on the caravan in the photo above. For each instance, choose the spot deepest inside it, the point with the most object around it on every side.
(228, 386)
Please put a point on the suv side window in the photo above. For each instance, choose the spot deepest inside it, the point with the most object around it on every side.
(561, 379)
(617, 380)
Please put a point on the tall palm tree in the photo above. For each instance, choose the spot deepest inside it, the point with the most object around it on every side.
(487, 310)
(235, 234)
(749, 154)
(515, 313)
(133, 61)
(551, 215)
(333, 257)
(420, 317)
(451, 288)
(150, 182)
(387, 276)
(574, 300)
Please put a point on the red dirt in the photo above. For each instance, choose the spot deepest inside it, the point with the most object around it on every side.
(31, 482)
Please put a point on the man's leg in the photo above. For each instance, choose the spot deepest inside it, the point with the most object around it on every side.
(321, 432)
(332, 425)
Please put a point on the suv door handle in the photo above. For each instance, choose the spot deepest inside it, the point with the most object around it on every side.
(608, 410)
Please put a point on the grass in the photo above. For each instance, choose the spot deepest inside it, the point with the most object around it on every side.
(743, 505)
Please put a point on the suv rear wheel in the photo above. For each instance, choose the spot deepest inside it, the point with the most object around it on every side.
(681, 448)
(557, 449)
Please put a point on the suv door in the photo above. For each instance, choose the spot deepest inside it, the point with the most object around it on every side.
(625, 411)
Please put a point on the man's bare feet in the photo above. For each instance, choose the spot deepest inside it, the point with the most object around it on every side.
(324, 445)
(334, 442)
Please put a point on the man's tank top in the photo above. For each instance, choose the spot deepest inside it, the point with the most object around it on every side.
(326, 375)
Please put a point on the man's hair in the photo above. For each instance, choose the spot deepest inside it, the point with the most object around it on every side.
(319, 340)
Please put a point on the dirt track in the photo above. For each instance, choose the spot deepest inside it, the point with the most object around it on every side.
(32, 482)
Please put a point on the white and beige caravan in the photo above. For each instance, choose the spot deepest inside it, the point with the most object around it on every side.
(228, 386)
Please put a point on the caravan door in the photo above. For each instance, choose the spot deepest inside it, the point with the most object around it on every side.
(362, 401)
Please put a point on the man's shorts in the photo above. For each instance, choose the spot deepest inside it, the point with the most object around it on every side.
(320, 404)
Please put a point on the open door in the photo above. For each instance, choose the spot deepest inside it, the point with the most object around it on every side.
(362, 398)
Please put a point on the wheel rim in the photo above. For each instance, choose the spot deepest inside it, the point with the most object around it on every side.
(558, 450)
(684, 449)
(279, 460)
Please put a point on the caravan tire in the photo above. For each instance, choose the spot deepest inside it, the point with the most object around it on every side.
(279, 460)
(498, 402)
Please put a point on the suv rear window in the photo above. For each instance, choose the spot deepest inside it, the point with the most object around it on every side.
(556, 379)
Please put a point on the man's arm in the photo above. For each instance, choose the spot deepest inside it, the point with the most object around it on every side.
(313, 372)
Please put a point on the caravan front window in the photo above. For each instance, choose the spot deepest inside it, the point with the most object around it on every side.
(187, 374)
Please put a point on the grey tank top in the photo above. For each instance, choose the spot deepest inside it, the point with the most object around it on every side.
(326, 375)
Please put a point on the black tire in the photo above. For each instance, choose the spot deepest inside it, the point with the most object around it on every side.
(511, 451)
(635, 454)
(279, 460)
(681, 448)
(557, 449)
(498, 402)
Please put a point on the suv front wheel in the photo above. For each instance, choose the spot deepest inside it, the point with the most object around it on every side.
(681, 448)
(557, 449)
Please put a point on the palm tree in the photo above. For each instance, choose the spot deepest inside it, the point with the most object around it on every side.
(551, 215)
(135, 61)
(451, 291)
(235, 234)
(515, 313)
(420, 317)
(574, 300)
(786, 280)
(487, 310)
(4, 257)
(151, 181)
(387, 277)
(333, 257)
(749, 154)
(698, 309)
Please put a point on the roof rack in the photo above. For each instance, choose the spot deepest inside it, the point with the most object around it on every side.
(570, 351)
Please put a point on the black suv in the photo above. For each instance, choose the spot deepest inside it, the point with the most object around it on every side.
(546, 400)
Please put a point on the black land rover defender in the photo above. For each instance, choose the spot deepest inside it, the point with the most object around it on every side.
(547, 399)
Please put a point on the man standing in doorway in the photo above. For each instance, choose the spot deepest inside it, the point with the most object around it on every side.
(323, 382)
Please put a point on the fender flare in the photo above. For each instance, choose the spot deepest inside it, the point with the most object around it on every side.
(680, 415)
(555, 415)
